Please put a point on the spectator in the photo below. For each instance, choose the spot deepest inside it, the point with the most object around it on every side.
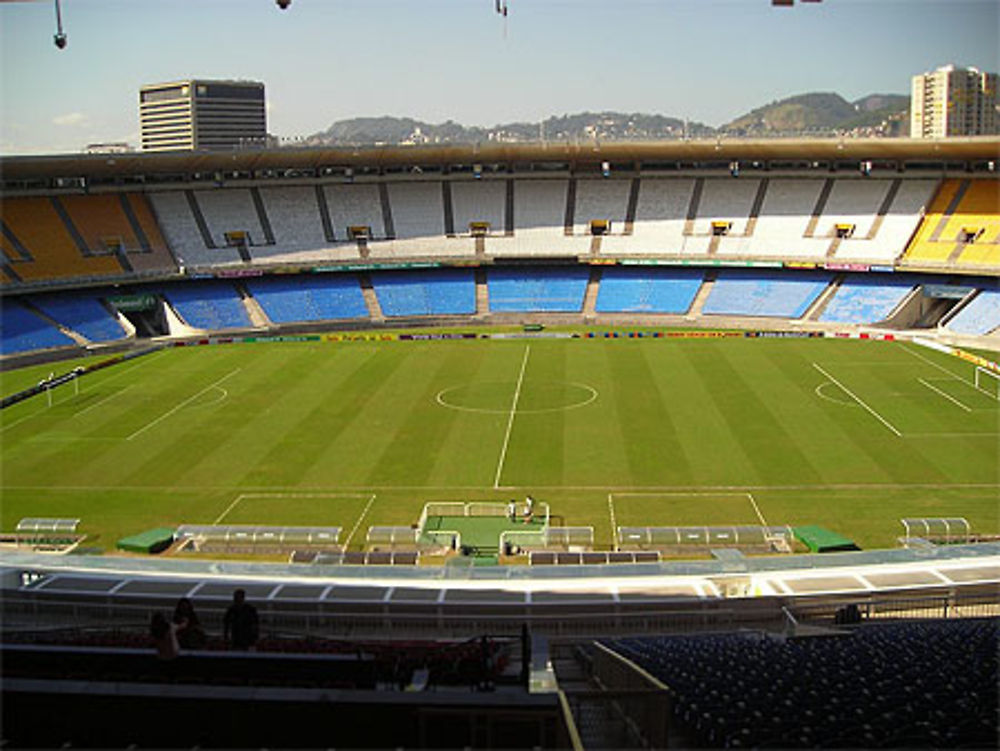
(240, 624)
(164, 636)
(190, 634)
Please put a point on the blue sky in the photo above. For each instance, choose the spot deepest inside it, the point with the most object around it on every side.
(325, 60)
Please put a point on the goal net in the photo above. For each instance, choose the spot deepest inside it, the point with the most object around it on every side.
(987, 381)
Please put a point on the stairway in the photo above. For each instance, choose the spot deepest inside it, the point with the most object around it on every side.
(598, 720)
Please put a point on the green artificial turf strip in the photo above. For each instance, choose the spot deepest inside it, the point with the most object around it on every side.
(308, 433)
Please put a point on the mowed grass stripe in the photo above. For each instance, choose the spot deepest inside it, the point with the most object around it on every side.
(415, 445)
(324, 405)
(353, 441)
(772, 452)
(652, 445)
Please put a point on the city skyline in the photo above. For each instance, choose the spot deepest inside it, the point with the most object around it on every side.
(326, 60)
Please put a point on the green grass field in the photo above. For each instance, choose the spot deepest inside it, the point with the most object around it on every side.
(851, 435)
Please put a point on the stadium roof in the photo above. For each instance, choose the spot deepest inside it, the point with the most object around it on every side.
(969, 149)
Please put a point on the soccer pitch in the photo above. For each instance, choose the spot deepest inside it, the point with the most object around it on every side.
(852, 435)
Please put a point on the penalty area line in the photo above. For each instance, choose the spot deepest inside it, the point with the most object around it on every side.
(856, 398)
(183, 404)
(357, 524)
(947, 396)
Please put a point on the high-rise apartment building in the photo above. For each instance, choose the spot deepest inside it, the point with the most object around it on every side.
(954, 102)
(202, 115)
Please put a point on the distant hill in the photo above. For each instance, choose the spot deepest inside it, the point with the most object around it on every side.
(581, 126)
(818, 113)
(805, 114)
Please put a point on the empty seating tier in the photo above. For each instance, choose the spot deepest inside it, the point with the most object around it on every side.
(537, 289)
(865, 299)
(980, 316)
(40, 243)
(753, 293)
(426, 293)
(647, 290)
(191, 246)
(539, 215)
(22, 331)
(908, 685)
(319, 297)
(81, 312)
(962, 225)
(208, 305)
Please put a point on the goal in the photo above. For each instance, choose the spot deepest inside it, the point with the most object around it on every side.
(987, 381)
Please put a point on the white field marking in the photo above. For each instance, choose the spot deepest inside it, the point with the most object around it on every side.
(510, 421)
(26, 417)
(951, 374)
(821, 395)
(947, 396)
(744, 494)
(184, 403)
(105, 399)
(357, 524)
(245, 496)
(858, 400)
(439, 398)
(756, 510)
(614, 524)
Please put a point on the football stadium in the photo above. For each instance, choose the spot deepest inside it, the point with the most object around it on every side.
(337, 384)
(634, 444)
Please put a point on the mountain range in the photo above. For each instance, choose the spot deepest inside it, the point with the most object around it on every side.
(813, 114)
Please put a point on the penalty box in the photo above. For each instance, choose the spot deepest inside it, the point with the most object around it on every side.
(915, 398)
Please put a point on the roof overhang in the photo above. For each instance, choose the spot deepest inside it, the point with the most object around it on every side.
(97, 166)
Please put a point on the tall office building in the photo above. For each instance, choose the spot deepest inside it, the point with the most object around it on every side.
(202, 115)
(954, 102)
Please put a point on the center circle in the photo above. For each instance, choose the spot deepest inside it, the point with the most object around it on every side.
(496, 397)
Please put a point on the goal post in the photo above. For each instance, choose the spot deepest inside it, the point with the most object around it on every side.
(53, 381)
(987, 381)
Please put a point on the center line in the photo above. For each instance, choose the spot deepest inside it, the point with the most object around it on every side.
(510, 420)
(851, 394)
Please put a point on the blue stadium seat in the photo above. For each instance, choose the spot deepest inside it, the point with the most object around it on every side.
(927, 684)
(537, 290)
(866, 299)
(980, 316)
(756, 293)
(317, 297)
(208, 305)
(23, 331)
(426, 293)
(83, 313)
(647, 290)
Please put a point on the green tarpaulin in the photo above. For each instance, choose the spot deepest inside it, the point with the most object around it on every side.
(150, 541)
(822, 540)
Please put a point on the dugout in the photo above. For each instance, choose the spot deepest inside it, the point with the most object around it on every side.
(822, 540)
